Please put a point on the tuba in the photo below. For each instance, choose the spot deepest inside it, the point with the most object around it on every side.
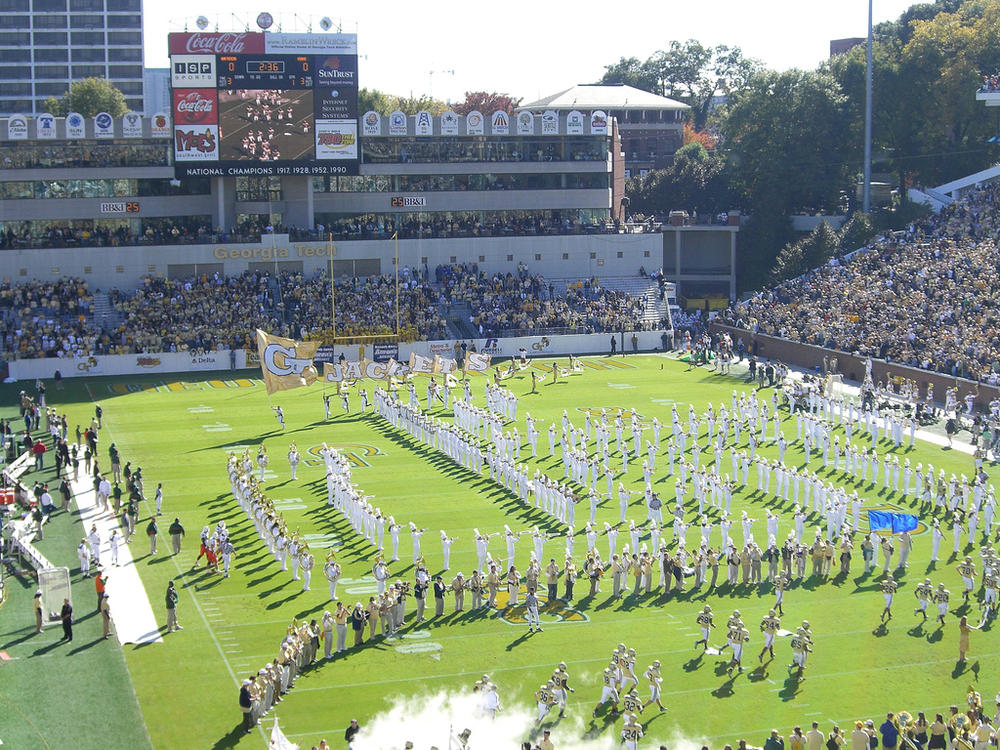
(904, 720)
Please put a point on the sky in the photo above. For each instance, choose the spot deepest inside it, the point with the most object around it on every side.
(445, 48)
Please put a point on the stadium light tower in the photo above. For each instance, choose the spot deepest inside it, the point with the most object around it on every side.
(867, 189)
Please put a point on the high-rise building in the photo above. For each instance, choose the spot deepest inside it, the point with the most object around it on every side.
(45, 45)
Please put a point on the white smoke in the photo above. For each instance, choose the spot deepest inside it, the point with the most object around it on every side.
(429, 721)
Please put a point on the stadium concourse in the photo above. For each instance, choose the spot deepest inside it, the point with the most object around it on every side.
(927, 298)
(46, 319)
(156, 231)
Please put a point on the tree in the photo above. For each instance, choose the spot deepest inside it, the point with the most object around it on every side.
(88, 97)
(703, 137)
(821, 245)
(856, 232)
(789, 263)
(785, 137)
(695, 181)
(385, 104)
(633, 72)
(487, 102)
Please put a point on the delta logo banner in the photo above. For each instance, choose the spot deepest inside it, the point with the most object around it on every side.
(284, 363)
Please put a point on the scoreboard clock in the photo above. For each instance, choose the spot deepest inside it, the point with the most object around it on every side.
(265, 72)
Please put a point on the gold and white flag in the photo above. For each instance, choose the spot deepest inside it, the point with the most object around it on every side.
(444, 364)
(420, 363)
(477, 362)
(284, 363)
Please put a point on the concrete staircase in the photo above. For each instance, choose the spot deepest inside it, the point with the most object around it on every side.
(104, 313)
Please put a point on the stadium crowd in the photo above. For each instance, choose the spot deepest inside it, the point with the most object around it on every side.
(927, 297)
(504, 302)
(210, 313)
(164, 231)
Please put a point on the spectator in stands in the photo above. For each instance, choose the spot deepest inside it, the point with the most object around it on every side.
(927, 298)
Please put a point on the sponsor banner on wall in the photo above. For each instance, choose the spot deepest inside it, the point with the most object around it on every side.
(424, 124)
(500, 123)
(385, 352)
(336, 139)
(474, 123)
(75, 125)
(550, 123)
(159, 125)
(449, 123)
(304, 44)
(132, 125)
(337, 87)
(104, 125)
(371, 123)
(196, 142)
(45, 126)
(598, 122)
(17, 128)
(408, 201)
(192, 71)
(193, 107)
(203, 43)
(574, 123)
(397, 123)
(525, 123)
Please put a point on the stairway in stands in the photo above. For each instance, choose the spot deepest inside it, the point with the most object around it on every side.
(636, 286)
(104, 313)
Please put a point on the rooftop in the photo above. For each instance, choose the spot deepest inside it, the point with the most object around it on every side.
(600, 96)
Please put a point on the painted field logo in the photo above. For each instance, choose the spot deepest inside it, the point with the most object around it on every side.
(356, 453)
(891, 508)
(557, 611)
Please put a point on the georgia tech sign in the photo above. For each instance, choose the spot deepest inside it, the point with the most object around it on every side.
(280, 360)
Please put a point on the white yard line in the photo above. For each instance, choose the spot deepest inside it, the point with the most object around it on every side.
(130, 608)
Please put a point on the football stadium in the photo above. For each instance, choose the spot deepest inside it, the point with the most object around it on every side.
(326, 426)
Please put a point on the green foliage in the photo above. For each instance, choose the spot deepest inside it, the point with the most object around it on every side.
(790, 262)
(386, 104)
(785, 135)
(765, 232)
(856, 232)
(88, 97)
(821, 245)
(696, 180)
(487, 102)
(687, 71)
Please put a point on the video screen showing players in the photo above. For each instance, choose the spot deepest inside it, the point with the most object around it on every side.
(266, 125)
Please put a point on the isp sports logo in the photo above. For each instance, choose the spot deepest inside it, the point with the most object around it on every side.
(103, 121)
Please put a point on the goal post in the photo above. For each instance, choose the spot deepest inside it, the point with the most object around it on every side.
(55, 586)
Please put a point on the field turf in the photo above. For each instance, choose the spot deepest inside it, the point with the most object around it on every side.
(180, 430)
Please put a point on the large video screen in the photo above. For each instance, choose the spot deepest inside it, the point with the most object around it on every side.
(264, 104)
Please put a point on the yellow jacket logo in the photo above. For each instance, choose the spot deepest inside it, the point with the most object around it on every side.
(548, 612)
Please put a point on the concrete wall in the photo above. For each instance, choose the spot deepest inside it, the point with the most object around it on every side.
(853, 368)
(181, 362)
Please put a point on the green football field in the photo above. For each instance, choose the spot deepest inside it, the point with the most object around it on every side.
(181, 429)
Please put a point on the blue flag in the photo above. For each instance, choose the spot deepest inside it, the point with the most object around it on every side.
(897, 523)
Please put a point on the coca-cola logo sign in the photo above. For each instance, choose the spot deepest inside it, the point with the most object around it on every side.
(200, 43)
(218, 44)
(195, 107)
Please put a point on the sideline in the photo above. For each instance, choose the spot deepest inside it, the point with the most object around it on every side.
(131, 611)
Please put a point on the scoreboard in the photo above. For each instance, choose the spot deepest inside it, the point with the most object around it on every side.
(259, 72)
(264, 104)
